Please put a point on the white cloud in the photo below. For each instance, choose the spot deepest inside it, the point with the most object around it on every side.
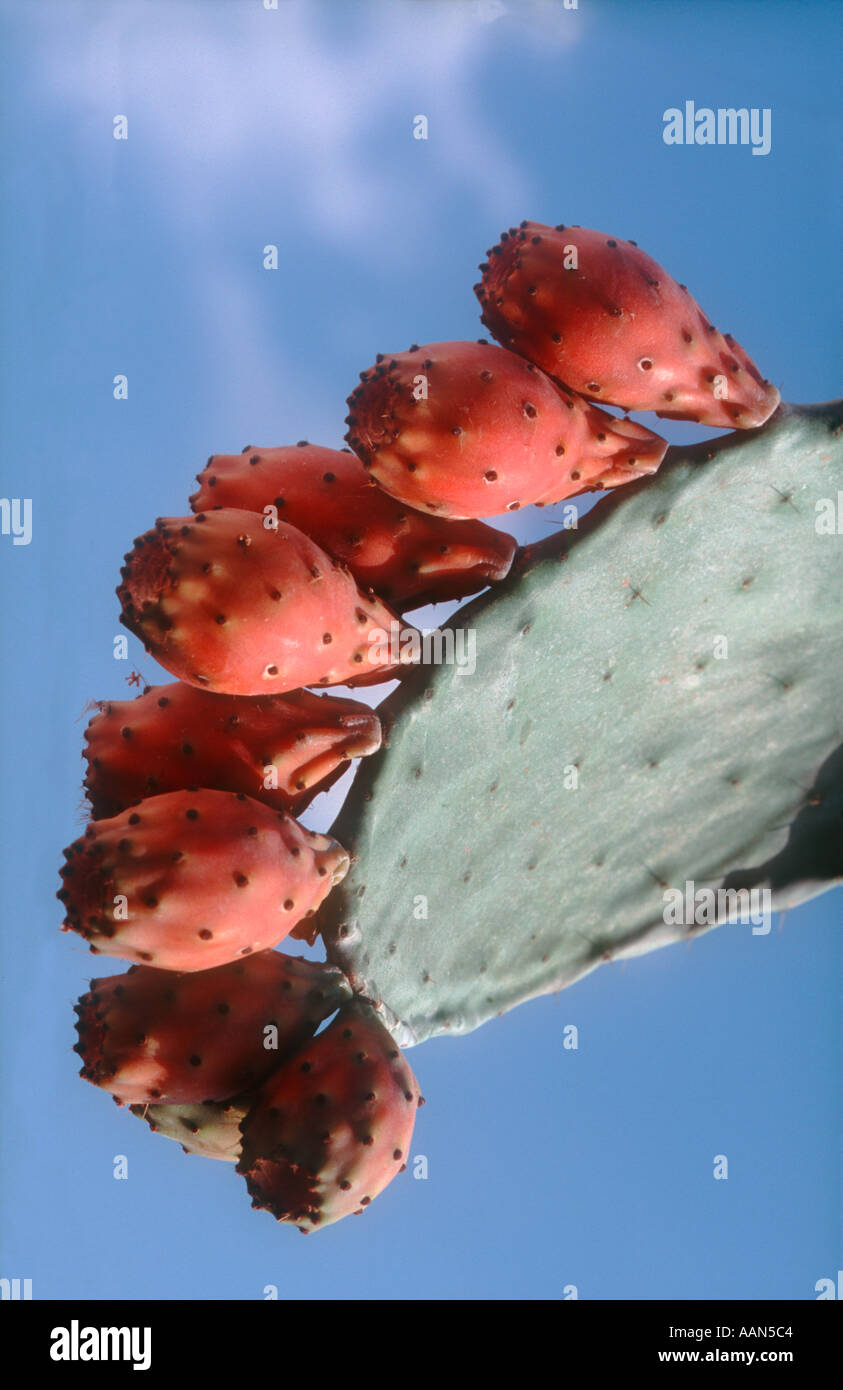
(294, 116)
(226, 94)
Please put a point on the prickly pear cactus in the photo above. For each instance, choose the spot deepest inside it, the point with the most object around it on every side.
(657, 700)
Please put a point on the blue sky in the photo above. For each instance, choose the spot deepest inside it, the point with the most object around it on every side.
(547, 1168)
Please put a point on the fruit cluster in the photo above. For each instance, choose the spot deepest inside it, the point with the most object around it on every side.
(293, 559)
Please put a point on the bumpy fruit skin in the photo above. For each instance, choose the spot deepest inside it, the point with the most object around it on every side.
(280, 749)
(617, 328)
(193, 879)
(408, 558)
(231, 606)
(492, 433)
(210, 1129)
(332, 1127)
(154, 1035)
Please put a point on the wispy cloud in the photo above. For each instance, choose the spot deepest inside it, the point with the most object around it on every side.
(297, 119)
(215, 89)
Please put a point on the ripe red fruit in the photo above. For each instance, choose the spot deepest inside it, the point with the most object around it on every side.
(280, 749)
(408, 558)
(469, 430)
(192, 879)
(332, 1127)
(599, 314)
(153, 1035)
(229, 605)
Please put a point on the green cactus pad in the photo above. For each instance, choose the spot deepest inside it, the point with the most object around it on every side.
(657, 699)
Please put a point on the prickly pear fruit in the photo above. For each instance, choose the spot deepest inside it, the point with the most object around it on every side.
(332, 1127)
(608, 321)
(210, 1129)
(153, 1035)
(281, 749)
(192, 879)
(229, 605)
(469, 430)
(408, 558)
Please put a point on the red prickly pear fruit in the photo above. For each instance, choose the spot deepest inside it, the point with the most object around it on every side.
(193, 879)
(408, 558)
(210, 1129)
(612, 324)
(231, 606)
(153, 1035)
(469, 430)
(281, 749)
(332, 1127)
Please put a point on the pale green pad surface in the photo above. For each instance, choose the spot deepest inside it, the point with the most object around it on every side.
(598, 651)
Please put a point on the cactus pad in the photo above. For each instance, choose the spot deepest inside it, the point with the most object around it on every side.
(657, 699)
